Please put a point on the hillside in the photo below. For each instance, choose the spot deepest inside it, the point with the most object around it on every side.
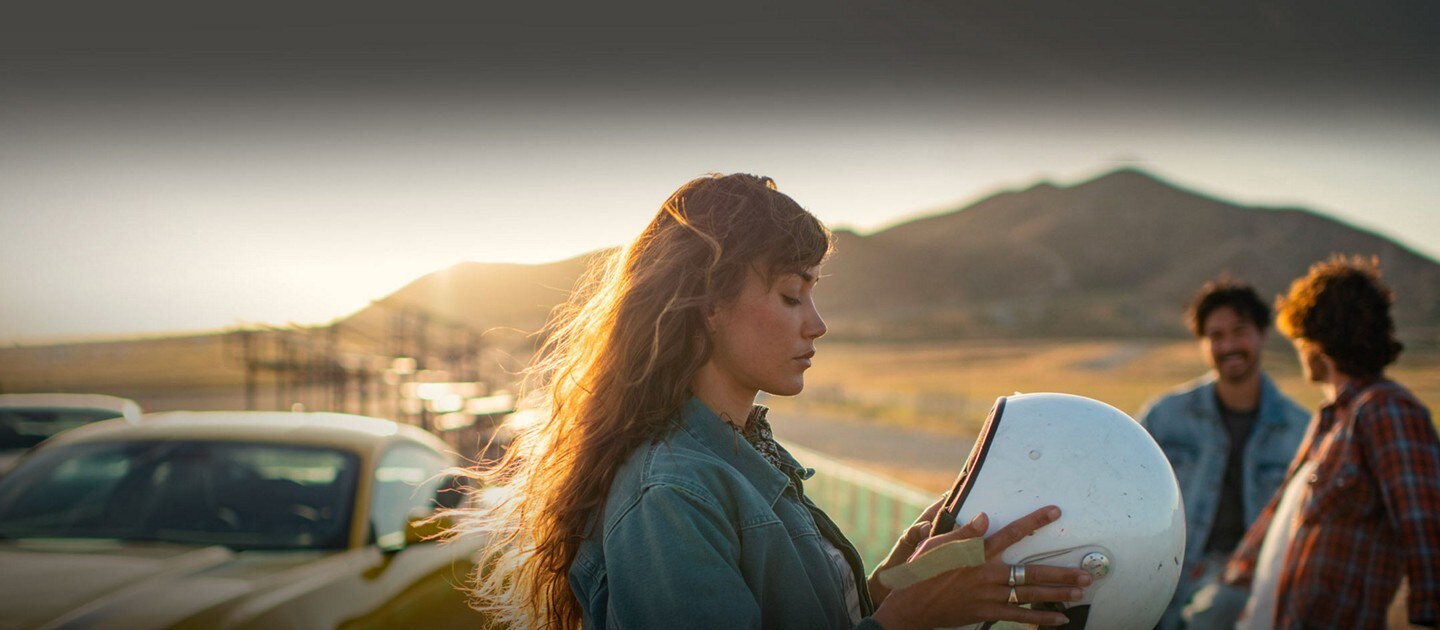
(1114, 256)
(502, 301)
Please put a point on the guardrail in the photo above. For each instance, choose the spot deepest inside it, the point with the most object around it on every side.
(871, 509)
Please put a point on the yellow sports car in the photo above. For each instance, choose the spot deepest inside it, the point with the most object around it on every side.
(233, 520)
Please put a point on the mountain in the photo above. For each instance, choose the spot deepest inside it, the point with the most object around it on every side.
(1115, 256)
(1118, 255)
(494, 298)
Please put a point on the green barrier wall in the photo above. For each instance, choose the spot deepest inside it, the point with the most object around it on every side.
(872, 510)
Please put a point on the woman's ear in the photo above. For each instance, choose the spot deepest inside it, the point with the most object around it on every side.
(712, 315)
(715, 316)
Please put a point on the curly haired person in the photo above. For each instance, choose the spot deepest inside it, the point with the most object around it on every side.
(1360, 509)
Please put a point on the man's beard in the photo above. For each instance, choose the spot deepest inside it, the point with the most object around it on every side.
(1230, 374)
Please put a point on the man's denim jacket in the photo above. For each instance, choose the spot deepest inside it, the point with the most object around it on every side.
(700, 531)
(1186, 423)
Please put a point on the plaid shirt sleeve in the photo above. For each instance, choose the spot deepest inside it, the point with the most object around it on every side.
(1400, 443)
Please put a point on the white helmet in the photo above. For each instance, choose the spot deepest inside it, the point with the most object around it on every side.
(1121, 515)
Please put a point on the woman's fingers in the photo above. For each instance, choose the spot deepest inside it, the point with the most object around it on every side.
(1005, 612)
(920, 530)
(1002, 610)
(1034, 594)
(1018, 530)
(930, 512)
(916, 534)
(1002, 539)
(974, 529)
(1046, 574)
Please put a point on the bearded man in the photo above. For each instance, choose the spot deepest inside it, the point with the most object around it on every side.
(1229, 435)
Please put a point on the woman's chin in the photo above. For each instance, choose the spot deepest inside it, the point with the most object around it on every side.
(789, 389)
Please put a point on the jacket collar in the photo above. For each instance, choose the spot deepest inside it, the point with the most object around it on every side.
(1271, 410)
(705, 427)
(1351, 389)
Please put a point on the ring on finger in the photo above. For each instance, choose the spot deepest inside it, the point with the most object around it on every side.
(1013, 576)
(1017, 574)
(1013, 599)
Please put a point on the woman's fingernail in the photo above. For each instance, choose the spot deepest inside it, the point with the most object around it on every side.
(1076, 594)
(1085, 579)
(1053, 513)
(1059, 620)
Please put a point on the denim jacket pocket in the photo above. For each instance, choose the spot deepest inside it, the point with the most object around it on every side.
(1269, 476)
(1183, 457)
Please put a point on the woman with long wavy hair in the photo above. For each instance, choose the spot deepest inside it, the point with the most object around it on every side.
(654, 495)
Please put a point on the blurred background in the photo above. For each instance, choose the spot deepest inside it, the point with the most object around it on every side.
(368, 208)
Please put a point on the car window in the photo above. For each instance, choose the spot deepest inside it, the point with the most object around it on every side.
(27, 427)
(240, 495)
(406, 479)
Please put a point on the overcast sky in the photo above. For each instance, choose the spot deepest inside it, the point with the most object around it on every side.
(174, 169)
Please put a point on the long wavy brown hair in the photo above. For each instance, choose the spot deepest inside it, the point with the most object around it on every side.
(615, 368)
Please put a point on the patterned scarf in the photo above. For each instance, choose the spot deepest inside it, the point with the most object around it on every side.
(757, 432)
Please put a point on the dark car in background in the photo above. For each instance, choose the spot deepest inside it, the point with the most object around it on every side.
(26, 420)
(233, 520)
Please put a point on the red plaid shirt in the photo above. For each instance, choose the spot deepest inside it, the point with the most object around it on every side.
(1371, 518)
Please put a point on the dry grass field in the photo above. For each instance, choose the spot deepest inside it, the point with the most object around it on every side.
(947, 386)
(951, 386)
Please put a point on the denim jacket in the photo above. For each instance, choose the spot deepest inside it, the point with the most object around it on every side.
(1187, 425)
(699, 531)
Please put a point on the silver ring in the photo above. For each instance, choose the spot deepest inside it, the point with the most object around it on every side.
(1018, 573)
(1011, 583)
(1013, 599)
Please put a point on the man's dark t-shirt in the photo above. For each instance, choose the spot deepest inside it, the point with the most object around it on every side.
(1229, 524)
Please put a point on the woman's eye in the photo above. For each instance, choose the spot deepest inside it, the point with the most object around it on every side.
(790, 300)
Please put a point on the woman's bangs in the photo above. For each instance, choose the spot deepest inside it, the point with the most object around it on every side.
(805, 245)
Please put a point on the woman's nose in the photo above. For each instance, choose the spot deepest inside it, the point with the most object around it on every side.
(814, 325)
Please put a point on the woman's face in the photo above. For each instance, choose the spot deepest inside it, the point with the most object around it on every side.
(764, 339)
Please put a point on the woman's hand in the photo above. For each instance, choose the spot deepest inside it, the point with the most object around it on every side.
(904, 548)
(976, 594)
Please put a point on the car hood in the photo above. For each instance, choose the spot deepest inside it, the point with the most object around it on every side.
(53, 582)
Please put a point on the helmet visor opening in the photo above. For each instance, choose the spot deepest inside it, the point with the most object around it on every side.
(945, 520)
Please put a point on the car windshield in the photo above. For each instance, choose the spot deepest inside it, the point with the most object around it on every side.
(236, 494)
(24, 427)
